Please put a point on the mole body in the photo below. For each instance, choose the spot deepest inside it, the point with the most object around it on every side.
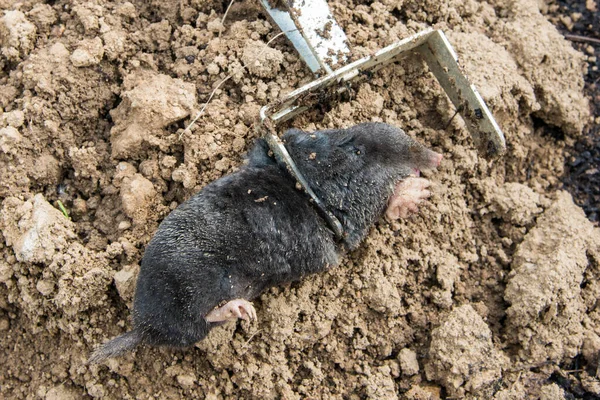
(254, 229)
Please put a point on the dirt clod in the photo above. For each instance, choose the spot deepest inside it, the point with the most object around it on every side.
(462, 353)
(489, 292)
(546, 313)
(408, 362)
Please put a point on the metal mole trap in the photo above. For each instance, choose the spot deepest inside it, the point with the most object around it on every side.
(323, 45)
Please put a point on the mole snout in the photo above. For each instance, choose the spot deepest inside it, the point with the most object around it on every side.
(428, 159)
(433, 161)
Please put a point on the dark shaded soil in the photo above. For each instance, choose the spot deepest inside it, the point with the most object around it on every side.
(582, 161)
(582, 173)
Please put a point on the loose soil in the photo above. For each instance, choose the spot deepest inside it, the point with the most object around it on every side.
(490, 292)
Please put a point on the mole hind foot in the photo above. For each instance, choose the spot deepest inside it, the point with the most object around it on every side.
(234, 309)
(407, 196)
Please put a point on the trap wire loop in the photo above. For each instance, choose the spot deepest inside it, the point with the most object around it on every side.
(281, 154)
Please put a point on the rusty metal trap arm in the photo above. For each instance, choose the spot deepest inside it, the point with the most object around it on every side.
(442, 61)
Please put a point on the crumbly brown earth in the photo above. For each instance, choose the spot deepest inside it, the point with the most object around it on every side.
(488, 293)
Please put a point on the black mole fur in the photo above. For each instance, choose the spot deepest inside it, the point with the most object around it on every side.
(253, 229)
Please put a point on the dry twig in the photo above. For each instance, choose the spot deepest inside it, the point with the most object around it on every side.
(578, 38)
(225, 16)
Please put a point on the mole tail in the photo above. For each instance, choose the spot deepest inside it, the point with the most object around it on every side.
(115, 347)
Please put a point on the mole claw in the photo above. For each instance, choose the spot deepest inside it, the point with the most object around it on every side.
(236, 311)
(238, 308)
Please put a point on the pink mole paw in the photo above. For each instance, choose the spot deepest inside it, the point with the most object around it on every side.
(407, 196)
(234, 309)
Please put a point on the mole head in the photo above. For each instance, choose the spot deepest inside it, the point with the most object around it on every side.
(391, 147)
(365, 147)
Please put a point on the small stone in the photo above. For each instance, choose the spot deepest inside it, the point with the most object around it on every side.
(79, 207)
(184, 175)
(89, 52)
(590, 50)
(552, 392)
(6, 272)
(213, 69)
(41, 232)
(126, 10)
(88, 18)
(223, 164)
(15, 118)
(591, 348)
(125, 281)
(96, 391)
(60, 393)
(45, 287)
(214, 26)
(186, 381)
(17, 35)
(114, 43)
(9, 138)
(137, 195)
(408, 362)
(261, 60)
(52, 126)
(238, 144)
(124, 225)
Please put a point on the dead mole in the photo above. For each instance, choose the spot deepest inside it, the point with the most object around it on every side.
(254, 229)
